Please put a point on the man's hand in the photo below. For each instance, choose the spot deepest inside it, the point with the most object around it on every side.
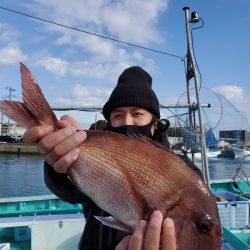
(158, 234)
(60, 147)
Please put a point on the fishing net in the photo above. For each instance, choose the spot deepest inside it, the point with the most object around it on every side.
(223, 123)
(241, 182)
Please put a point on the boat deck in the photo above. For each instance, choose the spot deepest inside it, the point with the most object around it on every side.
(65, 229)
(28, 222)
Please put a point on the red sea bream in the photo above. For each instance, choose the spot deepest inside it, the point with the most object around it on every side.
(130, 177)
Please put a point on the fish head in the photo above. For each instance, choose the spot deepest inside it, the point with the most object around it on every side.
(201, 232)
(197, 225)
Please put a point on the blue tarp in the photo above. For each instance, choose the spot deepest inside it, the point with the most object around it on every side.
(210, 139)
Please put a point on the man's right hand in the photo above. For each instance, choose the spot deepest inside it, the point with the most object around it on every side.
(58, 147)
(154, 235)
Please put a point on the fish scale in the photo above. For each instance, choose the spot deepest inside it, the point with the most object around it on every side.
(99, 193)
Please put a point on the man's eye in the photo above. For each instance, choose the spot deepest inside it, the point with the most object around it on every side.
(138, 114)
(117, 116)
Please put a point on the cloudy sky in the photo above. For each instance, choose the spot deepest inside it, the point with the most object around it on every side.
(78, 69)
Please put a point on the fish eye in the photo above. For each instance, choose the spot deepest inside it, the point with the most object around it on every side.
(204, 224)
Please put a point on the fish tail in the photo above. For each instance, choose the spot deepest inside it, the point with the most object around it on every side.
(34, 110)
(17, 112)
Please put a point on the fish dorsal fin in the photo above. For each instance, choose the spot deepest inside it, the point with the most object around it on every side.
(146, 140)
(18, 112)
(34, 99)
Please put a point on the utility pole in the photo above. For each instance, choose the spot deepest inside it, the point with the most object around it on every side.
(1, 124)
(11, 90)
(192, 73)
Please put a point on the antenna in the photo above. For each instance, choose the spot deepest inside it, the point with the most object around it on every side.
(11, 90)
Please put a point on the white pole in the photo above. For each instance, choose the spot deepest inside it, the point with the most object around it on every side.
(205, 170)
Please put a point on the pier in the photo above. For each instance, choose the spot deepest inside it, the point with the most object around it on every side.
(18, 148)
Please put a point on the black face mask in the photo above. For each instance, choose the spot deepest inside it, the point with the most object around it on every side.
(134, 130)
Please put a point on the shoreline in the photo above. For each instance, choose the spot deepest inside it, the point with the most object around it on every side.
(18, 148)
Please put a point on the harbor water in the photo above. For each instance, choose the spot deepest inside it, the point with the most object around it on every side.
(23, 175)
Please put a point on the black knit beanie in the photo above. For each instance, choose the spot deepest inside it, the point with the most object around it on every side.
(134, 88)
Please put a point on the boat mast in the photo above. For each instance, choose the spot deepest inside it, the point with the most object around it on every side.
(192, 73)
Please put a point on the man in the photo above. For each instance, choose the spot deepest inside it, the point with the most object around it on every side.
(132, 108)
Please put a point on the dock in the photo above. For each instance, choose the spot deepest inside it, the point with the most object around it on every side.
(18, 148)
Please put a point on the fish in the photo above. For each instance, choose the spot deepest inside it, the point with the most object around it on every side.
(130, 176)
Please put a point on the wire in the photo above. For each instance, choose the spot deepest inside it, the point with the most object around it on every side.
(177, 118)
(90, 33)
(237, 174)
(175, 115)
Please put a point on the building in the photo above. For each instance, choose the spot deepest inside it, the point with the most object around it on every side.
(235, 136)
(14, 129)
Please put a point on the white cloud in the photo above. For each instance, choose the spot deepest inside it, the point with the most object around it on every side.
(104, 71)
(87, 43)
(84, 96)
(55, 65)
(134, 21)
(101, 50)
(232, 92)
(83, 91)
(8, 34)
(238, 102)
(95, 68)
(11, 55)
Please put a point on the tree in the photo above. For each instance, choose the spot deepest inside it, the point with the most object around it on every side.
(99, 125)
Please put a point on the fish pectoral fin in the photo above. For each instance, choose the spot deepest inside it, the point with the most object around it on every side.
(110, 221)
(146, 140)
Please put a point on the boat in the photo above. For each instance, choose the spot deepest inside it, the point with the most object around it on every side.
(28, 222)
(236, 235)
(226, 153)
(237, 239)
(214, 149)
